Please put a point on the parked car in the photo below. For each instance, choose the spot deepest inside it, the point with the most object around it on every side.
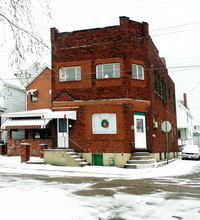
(191, 152)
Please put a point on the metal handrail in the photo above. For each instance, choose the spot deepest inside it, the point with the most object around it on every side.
(77, 145)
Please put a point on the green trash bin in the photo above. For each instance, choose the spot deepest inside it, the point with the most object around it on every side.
(112, 161)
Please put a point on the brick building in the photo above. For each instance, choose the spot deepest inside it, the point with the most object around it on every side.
(120, 90)
(28, 126)
(38, 89)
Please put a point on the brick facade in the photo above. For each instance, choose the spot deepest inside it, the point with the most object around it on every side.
(126, 44)
(42, 83)
(13, 145)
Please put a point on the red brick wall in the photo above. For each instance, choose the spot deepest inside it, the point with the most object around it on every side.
(127, 43)
(13, 145)
(43, 84)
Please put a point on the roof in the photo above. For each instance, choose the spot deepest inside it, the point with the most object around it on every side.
(34, 76)
(23, 114)
(24, 123)
(34, 119)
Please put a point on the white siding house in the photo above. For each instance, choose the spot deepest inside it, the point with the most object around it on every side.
(184, 124)
(12, 99)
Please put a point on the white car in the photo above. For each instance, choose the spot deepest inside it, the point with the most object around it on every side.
(191, 152)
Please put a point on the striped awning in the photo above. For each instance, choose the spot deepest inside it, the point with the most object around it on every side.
(25, 124)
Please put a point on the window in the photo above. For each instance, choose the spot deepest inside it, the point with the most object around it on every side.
(163, 90)
(161, 124)
(41, 133)
(174, 102)
(159, 87)
(19, 134)
(179, 134)
(111, 70)
(155, 81)
(137, 71)
(172, 133)
(34, 98)
(139, 125)
(70, 73)
(169, 93)
(104, 123)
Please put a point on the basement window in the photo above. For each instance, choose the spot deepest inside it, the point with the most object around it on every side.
(110, 70)
(70, 73)
(137, 71)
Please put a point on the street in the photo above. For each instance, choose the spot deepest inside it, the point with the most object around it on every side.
(31, 196)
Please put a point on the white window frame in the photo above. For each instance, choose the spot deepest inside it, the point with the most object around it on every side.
(136, 75)
(102, 75)
(97, 127)
(63, 76)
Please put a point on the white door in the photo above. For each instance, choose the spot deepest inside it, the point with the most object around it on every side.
(140, 130)
(63, 136)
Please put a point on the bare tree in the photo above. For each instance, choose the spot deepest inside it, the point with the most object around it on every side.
(22, 26)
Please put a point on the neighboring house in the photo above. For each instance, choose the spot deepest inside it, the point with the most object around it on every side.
(113, 79)
(196, 133)
(184, 122)
(27, 126)
(25, 75)
(38, 89)
(12, 99)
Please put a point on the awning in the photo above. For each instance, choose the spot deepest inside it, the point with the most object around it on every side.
(60, 114)
(25, 124)
(32, 92)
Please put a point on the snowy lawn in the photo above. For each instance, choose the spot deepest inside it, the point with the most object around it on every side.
(26, 198)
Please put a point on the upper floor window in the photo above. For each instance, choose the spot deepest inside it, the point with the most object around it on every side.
(34, 98)
(70, 73)
(137, 71)
(111, 70)
(169, 93)
(155, 81)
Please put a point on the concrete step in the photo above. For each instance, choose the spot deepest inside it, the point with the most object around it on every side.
(149, 161)
(141, 157)
(141, 154)
(139, 166)
(84, 163)
(76, 157)
(140, 160)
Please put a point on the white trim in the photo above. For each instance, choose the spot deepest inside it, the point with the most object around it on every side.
(32, 92)
(60, 114)
(32, 113)
(34, 76)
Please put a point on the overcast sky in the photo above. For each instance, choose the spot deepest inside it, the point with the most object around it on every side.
(174, 27)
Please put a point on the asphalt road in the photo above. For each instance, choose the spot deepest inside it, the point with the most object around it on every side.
(172, 189)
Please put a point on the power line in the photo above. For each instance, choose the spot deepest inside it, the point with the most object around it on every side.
(122, 71)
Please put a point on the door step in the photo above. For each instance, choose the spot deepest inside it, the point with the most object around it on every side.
(75, 158)
(141, 160)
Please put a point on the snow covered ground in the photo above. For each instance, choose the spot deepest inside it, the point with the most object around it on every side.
(24, 197)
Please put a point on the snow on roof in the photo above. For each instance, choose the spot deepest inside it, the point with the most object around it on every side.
(31, 113)
(34, 76)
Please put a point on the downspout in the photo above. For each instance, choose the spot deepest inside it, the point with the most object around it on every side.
(26, 101)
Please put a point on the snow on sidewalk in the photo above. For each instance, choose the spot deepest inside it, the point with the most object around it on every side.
(13, 165)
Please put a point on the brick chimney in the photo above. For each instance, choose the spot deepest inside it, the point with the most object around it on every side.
(185, 99)
(163, 60)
